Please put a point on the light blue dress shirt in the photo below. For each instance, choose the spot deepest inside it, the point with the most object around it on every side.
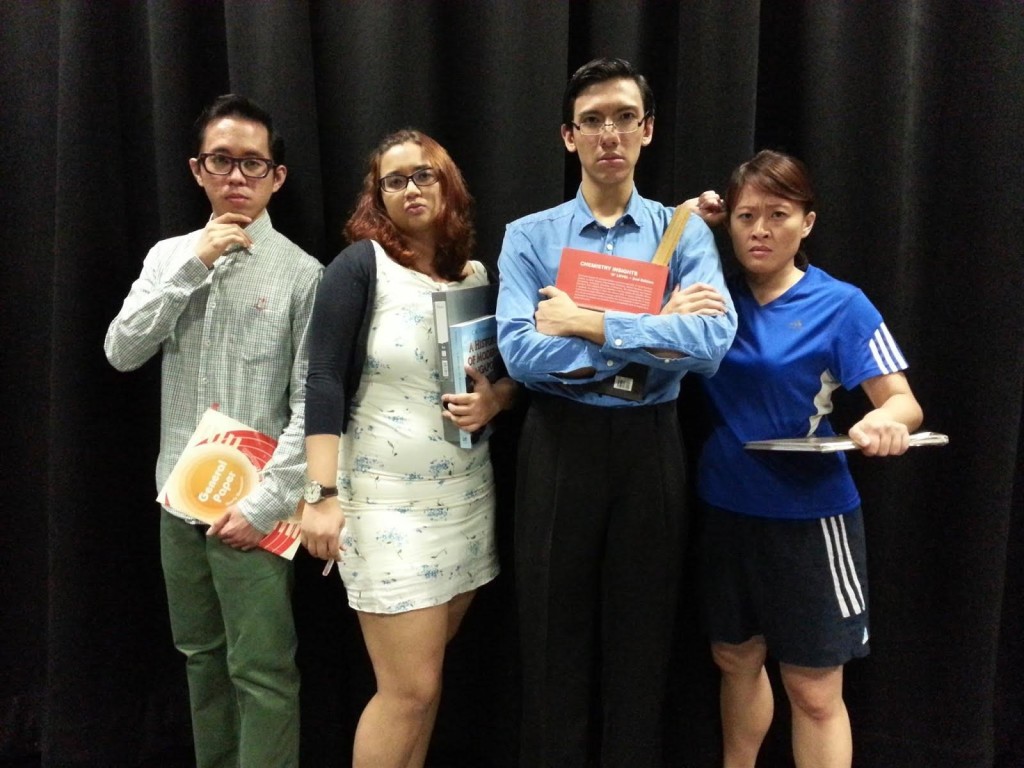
(529, 261)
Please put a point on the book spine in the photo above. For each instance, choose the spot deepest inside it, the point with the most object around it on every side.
(459, 344)
(461, 339)
(445, 366)
(444, 347)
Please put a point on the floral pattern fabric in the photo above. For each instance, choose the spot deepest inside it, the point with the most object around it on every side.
(419, 511)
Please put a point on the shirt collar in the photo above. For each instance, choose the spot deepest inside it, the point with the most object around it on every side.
(258, 230)
(583, 214)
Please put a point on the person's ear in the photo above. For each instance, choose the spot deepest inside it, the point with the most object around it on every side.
(193, 166)
(648, 130)
(808, 224)
(569, 137)
(280, 174)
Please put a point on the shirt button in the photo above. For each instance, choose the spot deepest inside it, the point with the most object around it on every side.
(610, 363)
(609, 247)
(617, 342)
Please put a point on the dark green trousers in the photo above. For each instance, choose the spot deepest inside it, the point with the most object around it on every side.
(231, 615)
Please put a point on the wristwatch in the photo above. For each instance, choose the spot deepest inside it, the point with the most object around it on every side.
(314, 493)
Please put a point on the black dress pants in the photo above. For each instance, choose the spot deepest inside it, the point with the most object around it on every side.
(600, 520)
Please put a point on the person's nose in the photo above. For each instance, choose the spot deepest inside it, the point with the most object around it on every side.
(760, 230)
(609, 136)
(411, 190)
(236, 176)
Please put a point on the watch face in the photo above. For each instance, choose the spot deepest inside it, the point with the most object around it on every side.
(312, 492)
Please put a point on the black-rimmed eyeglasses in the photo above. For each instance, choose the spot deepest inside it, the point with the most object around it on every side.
(223, 165)
(398, 182)
(625, 123)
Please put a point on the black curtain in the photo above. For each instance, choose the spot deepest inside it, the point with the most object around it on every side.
(908, 113)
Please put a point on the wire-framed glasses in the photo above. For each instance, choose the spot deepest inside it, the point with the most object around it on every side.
(627, 122)
(398, 182)
(222, 165)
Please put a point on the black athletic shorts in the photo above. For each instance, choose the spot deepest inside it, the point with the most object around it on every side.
(802, 584)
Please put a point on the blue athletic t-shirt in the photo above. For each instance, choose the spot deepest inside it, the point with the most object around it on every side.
(777, 381)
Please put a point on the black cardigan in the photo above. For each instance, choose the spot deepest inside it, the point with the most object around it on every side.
(338, 331)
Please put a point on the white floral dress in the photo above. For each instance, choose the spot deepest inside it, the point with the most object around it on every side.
(419, 511)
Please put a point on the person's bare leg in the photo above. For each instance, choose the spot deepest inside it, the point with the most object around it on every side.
(746, 700)
(457, 608)
(821, 724)
(407, 653)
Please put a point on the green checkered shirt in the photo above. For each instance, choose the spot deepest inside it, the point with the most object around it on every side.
(233, 338)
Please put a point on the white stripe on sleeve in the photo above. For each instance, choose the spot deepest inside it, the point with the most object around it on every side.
(890, 342)
(880, 350)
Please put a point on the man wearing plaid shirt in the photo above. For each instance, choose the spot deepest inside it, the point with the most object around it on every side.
(228, 306)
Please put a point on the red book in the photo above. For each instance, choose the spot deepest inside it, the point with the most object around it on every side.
(597, 281)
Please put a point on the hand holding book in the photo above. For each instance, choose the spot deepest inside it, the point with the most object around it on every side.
(467, 336)
(473, 410)
(695, 299)
(220, 466)
(559, 315)
(836, 443)
(234, 530)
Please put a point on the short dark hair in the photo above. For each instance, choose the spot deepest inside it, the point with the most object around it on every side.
(600, 71)
(235, 105)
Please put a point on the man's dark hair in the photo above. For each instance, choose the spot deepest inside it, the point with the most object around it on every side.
(234, 105)
(601, 71)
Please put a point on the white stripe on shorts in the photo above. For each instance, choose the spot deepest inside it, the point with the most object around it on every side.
(849, 596)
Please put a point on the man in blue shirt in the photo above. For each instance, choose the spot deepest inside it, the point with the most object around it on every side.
(600, 505)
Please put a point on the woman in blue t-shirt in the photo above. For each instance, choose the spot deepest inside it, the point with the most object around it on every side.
(783, 548)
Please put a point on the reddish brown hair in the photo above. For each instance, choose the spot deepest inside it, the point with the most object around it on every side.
(455, 235)
(777, 174)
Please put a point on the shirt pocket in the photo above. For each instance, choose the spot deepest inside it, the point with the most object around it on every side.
(264, 335)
